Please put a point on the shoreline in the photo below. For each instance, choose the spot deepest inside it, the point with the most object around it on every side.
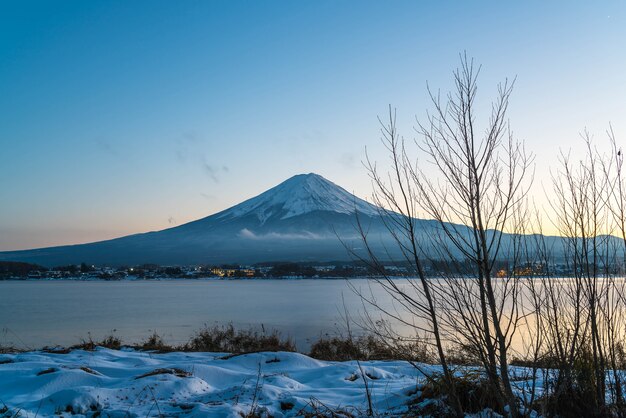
(208, 279)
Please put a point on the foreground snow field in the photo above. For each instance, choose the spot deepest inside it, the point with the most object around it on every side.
(111, 383)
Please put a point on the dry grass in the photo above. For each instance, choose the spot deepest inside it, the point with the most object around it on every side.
(225, 339)
(472, 389)
(111, 342)
(367, 347)
(154, 343)
(173, 371)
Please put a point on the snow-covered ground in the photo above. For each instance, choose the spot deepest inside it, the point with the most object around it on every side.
(127, 383)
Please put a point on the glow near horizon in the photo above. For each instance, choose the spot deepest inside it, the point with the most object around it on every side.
(121, 118)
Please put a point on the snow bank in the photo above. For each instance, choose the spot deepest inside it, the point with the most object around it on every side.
(140, 384)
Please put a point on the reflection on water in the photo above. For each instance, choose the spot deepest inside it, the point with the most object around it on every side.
(38, 313)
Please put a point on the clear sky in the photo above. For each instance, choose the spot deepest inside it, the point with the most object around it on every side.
(120, 117)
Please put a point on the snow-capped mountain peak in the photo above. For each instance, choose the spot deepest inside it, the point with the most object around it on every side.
(301, 194)
(300, 219)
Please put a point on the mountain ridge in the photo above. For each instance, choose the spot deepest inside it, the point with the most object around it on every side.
(306, 218)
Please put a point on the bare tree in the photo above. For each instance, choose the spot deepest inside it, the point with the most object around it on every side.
(582, 315)
(397, 203)
(497, 276)
(473, 188)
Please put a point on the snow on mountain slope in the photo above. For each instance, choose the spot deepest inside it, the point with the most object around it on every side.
(300, 195)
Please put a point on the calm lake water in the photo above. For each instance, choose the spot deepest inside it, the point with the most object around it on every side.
(34, 314)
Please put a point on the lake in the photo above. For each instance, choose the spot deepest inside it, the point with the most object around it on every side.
(34, 314)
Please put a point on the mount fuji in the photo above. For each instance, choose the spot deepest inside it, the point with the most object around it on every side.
(301, 219)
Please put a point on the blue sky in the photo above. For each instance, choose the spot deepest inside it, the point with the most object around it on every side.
(123, 117)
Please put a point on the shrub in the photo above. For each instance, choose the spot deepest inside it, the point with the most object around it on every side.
(337, 349)
(368, 347)
(463, 355)
(225, 339)
(8, 349)
(473, 391)
(572, 392)
(154, 343)
(111, 342)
